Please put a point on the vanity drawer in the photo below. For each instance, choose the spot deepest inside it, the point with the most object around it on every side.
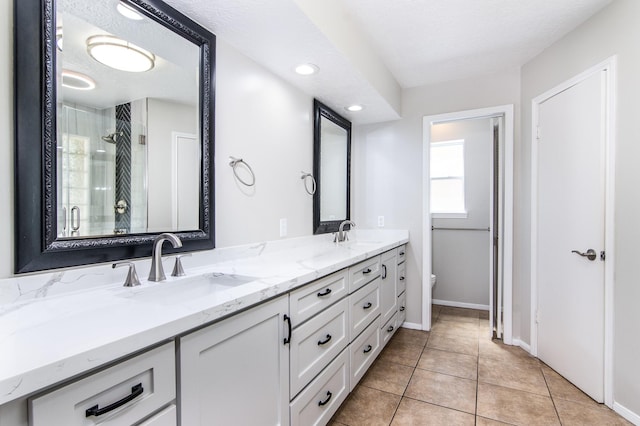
(388, 330)
(363, 351)
(321, 399)
(316, 342)
(402, 278)
(402, 253)
(166, 417)
(314, 297)
(363, 273)
(364, 306)
(402, 309)
(143, 384)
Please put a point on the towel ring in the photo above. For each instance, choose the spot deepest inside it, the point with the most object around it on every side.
(233, 162)
(305, 177)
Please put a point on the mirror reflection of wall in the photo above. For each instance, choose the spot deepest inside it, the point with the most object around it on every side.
(333, 159)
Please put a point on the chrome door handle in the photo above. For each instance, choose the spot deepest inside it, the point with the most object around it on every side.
(589, 254)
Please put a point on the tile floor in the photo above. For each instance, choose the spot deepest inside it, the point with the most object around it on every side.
(455, 375)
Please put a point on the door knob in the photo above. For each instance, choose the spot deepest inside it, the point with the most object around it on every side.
(589, 254)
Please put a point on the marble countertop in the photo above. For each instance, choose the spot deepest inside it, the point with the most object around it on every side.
(59, 324)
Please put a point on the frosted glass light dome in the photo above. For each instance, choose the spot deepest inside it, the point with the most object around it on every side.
(120, 54)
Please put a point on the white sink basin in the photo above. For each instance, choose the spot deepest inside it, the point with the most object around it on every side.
(190, 288)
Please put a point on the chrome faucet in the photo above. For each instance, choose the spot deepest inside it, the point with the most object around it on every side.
(157, 271)
(341, 235)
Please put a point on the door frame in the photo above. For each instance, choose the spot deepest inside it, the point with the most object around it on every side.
(507, 111)
(608, 65)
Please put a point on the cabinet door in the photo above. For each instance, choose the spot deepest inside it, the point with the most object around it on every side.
(388, 293)
(236, 372)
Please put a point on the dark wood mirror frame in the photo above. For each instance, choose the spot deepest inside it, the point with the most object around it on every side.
(37, 246)
(321, 110)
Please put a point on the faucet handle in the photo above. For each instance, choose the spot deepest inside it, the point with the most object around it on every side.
(178, 271)
(132, 277)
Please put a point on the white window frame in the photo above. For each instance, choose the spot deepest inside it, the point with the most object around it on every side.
(462, 214)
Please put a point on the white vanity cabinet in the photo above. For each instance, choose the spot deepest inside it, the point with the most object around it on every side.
(236, 372)
(125, 394)
(388, 286)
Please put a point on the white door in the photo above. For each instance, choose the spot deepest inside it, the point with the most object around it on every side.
(571, 216)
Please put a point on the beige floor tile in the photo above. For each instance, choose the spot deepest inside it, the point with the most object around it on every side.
(461, 312)
(481, 421)
(459, 344)
(458, 318)
(456, 328)
(518, 374)
(454, 364)
(495, 349)
(412, 412)
(414, 337)
(388, 376)
(401, 353)
(561, 388)
(484, 315)
(367, 407)
(514, 406)
(577, 414)
(444, 390)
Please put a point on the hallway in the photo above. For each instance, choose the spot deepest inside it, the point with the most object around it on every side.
(455, 375)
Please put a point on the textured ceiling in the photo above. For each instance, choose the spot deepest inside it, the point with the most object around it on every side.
(430, 41)
(420, 41)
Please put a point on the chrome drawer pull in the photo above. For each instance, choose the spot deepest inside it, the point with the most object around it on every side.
(326, 401)
(325, 341)
(325, 293)
(135, 392)
(367, 349)
(367, 306)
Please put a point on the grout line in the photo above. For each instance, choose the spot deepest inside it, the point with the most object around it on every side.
(550, 395)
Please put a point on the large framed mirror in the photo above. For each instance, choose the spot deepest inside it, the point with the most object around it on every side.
(331, 168)
(114, 128)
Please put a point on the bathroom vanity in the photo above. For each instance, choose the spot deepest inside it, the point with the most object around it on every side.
(271, 333)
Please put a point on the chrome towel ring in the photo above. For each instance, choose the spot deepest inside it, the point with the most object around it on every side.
(308, 177)
(234, 162)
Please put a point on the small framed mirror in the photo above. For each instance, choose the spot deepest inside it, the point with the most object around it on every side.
(114, 105)
(331, 168)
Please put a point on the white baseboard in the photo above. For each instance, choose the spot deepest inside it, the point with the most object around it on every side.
(412, 325)
(460, 304)
(523, 345)
(626, 413)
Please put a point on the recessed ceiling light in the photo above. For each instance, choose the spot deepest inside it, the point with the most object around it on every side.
(128, 12)
(307, 69)
(77, 81)
(119, 54)
(354, 108)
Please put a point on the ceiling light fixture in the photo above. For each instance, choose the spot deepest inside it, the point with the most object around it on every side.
(128, 12)
(307, 69)
(354, 108)
(120, 54)
(77, 81)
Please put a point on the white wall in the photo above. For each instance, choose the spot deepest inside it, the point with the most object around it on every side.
(461, 258)
(615, 30)
(7, 137)
(268, 123)
(387, 161)
(163, 118)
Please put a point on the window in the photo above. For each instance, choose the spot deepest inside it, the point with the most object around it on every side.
(447, 178)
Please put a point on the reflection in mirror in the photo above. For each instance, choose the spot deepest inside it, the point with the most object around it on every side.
(332, 151)
(114, 130)
(128, 150)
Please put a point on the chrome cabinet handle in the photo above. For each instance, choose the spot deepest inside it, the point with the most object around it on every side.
(75, 218)
(589, 254)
